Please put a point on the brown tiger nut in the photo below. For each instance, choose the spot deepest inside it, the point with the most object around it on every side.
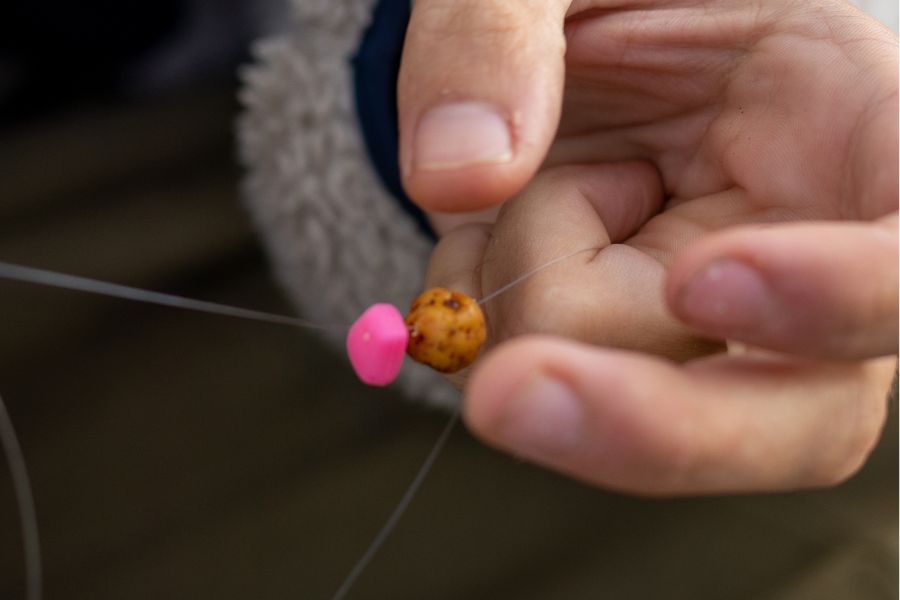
(446, 330)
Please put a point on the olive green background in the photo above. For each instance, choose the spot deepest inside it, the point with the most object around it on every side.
(179, 455)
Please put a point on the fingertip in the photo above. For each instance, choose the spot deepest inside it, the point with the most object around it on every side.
(591, 413)
(700, 274)
(725, 297)
(517, 401)
(823, 290)
(466, 188)
(684, 267)
(477, 108)
(455, 259)
(467, 155)
(500, 377)
(493, 382)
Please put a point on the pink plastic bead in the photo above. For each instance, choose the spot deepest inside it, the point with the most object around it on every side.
(376, 344)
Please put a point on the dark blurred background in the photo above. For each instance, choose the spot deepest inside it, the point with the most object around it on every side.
(180, 455)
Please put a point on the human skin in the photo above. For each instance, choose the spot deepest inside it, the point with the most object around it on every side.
(735, 165)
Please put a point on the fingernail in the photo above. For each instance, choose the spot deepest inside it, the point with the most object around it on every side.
(461, 134)
(728, 295)
(543, 420)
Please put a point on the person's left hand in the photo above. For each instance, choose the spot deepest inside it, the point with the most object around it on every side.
(778, 153)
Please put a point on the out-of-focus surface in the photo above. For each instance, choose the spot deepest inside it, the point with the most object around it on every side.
(178, 455)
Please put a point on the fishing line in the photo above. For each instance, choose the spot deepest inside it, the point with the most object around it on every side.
(16, 460)
(115, 290)
(532, 272)
(21, 483)
(401, 507)
(426, 467)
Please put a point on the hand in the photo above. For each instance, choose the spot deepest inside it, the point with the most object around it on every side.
(769, 135)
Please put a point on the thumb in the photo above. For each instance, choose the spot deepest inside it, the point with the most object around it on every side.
(479, 97)
(825, 290)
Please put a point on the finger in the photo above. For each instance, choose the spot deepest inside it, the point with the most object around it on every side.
(822, 290)
(641, 424)
(479, 97)
(612, 296)
(443, 223)
(564, 210)
(456, 259)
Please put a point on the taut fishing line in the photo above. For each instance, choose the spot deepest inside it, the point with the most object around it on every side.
(124, 292)
(16, 460)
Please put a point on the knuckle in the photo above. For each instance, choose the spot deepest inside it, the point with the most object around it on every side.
(564, 184)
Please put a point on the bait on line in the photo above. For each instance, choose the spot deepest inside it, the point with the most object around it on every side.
(444, 329)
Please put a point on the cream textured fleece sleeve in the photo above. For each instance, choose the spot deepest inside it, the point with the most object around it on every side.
(338, 241)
